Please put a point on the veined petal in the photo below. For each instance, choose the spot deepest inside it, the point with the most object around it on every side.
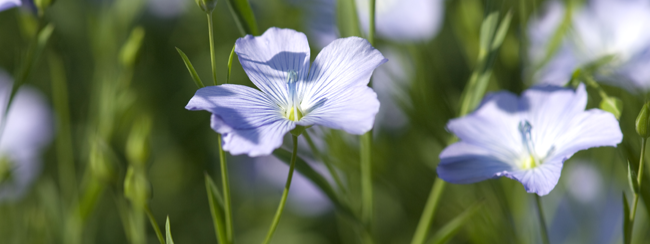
(541, 179)
(592, 128)
(240, 107)
(493, 126)
(463, 163)
(549, 110)
(269, 58)
(352, 110)
(256, 141)
(7, 4)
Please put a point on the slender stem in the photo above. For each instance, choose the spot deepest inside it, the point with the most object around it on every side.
(371, 31)
(154, 224)
(542, 222)
(222, 155)
(366, 155)
(638, 180)
(226, 192)
(429, 211)
(285, 193)
(212, 54)
(366, 179)
(232, 54)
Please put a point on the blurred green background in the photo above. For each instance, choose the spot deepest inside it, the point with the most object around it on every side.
(108, 99)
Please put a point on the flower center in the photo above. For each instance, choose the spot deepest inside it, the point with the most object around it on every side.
(531, 160)
(293, 112)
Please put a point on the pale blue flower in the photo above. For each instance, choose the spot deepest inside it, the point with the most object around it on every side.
(403, 20)
(27, 131)
(7, 4)
(618, 29)
(525, 138)
(332, 93)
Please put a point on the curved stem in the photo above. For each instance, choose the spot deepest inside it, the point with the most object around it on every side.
(285, 193)
(639, 178)
(542, 222)
(212, 54)
(429, 211)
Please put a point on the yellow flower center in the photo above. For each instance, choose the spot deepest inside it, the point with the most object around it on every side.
(294, 114)
(529, 163)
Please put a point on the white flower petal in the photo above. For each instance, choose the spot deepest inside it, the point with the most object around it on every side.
(463, 163)
(254, 142)
(269, 58)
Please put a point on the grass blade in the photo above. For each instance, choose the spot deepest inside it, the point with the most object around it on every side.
(216, 209)
(190, 68)
(244, 17)
(450, 229)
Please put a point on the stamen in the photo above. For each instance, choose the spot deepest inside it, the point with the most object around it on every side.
(293, 112)
(527, 138)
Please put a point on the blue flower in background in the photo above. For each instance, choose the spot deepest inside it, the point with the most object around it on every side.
(27, 131)
(332, 93)
(403, 20)
(7, 4)
(599, 30)
(525, 138)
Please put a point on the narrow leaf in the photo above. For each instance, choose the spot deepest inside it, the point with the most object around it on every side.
(631, 178)
(244, 17)
(216, 209)
(232, 55)
(502, 31)
(169, 232)
(450, 229)
(190, 68)
(487, 33)
(347, 18)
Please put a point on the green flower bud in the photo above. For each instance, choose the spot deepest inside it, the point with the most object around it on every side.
(612, 105)
(207, 5)
(137, 145)
(643, 122)
(131, 49)
(136, 187)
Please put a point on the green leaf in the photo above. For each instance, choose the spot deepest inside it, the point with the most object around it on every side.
(169, 232)
(244, 17)
(452, 227)
(232, 55)
(488, 27)
(347, 19)
(631, 178)
(502, 31)
(613, 105)
(317, 179)
(216, 209)
(627, 224)
(131, 48)
(190, 68)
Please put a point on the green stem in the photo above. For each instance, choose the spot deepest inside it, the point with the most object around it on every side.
(542, 222)
(212, 54)
(366, 179)
(154, 224)
(232, 54)
(285, 193)
(226, 192)
(429, 211)
(638, 180)
(371, 31)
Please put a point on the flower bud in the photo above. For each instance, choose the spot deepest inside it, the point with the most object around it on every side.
(136, 187)
(43, 5)
(207, 5)
(642, 121)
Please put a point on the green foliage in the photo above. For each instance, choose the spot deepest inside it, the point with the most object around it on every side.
(244, 17)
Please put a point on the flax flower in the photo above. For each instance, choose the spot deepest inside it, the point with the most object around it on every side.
(332, 93)
(7, 4)
(611, 32)
(525, 138)
(28, 129)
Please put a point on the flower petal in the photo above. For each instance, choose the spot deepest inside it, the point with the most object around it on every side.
(240, 107)
(541, 179)
(352, 110)
(592, 128)
(7, 4)
(267, 60)
(336, 93)
(405, 20)
(463, 163)
(493, 126)
(256, 141)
